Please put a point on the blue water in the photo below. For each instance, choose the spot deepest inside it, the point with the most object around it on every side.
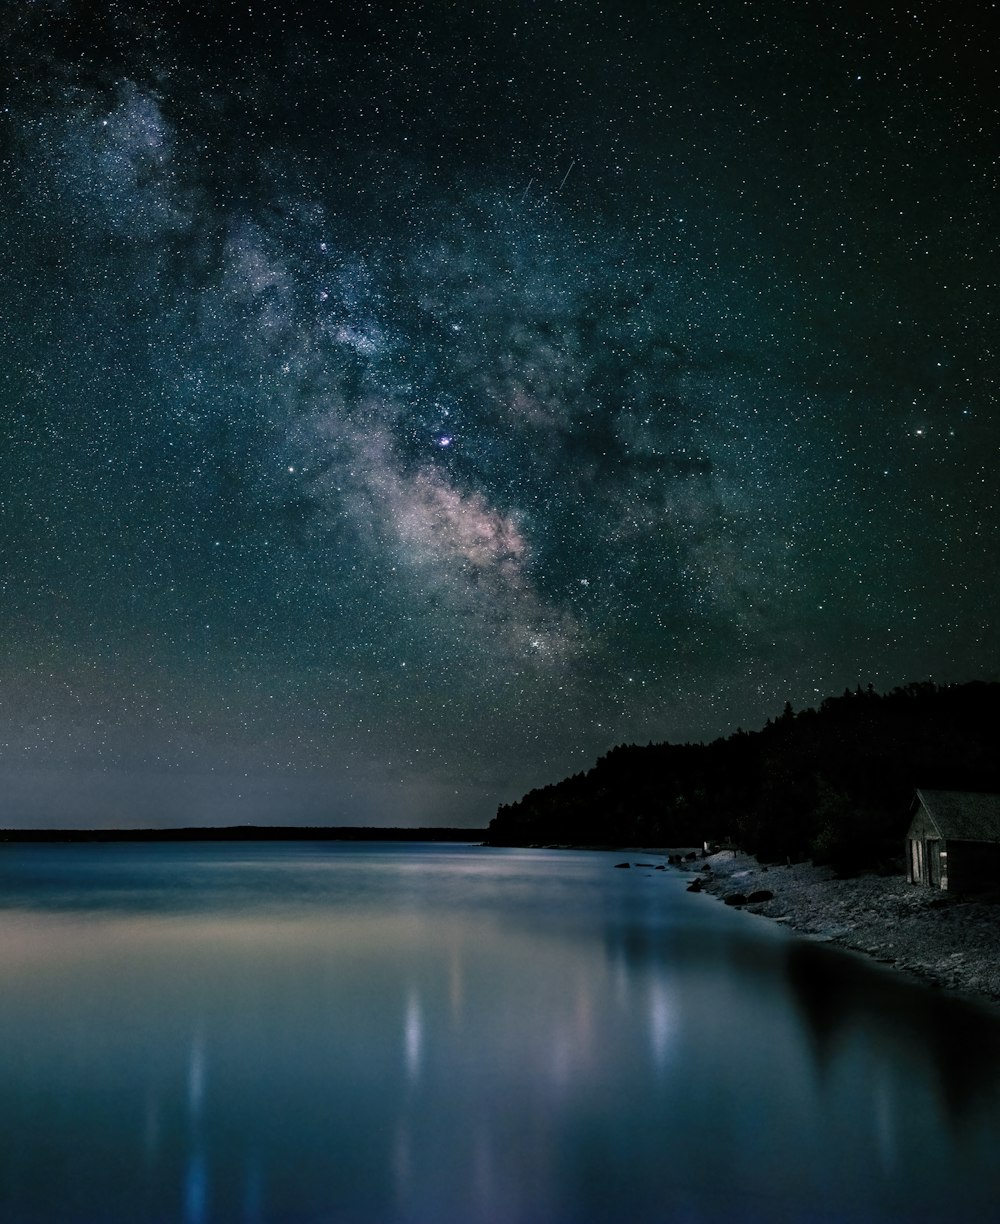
(365, 1033)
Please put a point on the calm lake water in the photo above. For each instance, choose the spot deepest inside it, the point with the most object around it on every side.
(338, 1033)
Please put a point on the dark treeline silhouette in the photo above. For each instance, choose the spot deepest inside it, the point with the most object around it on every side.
(832, 783)
(230, 833)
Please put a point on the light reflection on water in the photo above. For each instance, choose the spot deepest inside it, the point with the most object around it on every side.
(296, 1032)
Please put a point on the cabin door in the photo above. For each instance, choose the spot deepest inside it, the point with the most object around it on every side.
(934, 862)
(917, 861)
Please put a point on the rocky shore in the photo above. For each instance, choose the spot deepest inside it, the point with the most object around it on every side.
(949, 941)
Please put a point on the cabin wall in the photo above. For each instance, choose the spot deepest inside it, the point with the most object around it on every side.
(914, 860)
(972, 866)
(927, 861)
(923, 864)
(921, 826)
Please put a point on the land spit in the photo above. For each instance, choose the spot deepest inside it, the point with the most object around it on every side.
(949, 941)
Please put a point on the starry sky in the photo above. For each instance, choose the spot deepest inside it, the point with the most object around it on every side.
(404, 403)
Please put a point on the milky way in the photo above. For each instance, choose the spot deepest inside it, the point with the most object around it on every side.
(402, 407)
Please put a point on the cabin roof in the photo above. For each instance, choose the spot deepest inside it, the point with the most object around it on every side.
(963, 815)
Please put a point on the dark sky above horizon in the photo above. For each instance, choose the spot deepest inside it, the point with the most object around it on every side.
(402, 404)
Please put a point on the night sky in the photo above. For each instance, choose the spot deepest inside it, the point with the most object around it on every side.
(402, 404)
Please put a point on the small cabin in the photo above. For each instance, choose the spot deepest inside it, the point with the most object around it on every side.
(953, 841)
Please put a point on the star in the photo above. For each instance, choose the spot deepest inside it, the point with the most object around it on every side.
(619, 424)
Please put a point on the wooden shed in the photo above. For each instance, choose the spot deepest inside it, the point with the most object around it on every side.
(953, 841)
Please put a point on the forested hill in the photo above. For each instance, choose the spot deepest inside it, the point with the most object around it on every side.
(833, 783)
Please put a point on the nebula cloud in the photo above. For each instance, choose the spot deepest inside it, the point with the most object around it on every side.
(403, 445)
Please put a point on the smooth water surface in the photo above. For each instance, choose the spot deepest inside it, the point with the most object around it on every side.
(340, 1033)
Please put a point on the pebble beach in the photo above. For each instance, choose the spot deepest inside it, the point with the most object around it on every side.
(949, 941)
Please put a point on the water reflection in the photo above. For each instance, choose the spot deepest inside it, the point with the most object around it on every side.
(413, 1036)
(408, 1036)
(842, 999)
(662, 1021)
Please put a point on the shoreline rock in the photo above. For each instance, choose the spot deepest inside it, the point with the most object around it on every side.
(947, 941)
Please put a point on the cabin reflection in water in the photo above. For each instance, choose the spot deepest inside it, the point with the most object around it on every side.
(956, 1043)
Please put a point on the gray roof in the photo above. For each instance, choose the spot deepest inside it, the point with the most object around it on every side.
(963, 815)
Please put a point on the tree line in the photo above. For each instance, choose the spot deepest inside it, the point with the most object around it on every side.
(833, 784)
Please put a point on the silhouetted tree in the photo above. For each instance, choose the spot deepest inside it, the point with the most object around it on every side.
(833, 783)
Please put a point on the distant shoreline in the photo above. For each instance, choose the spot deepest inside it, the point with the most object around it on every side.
(245, 833)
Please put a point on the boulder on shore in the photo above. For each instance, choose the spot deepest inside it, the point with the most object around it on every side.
(762, 894)
(734, 899)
